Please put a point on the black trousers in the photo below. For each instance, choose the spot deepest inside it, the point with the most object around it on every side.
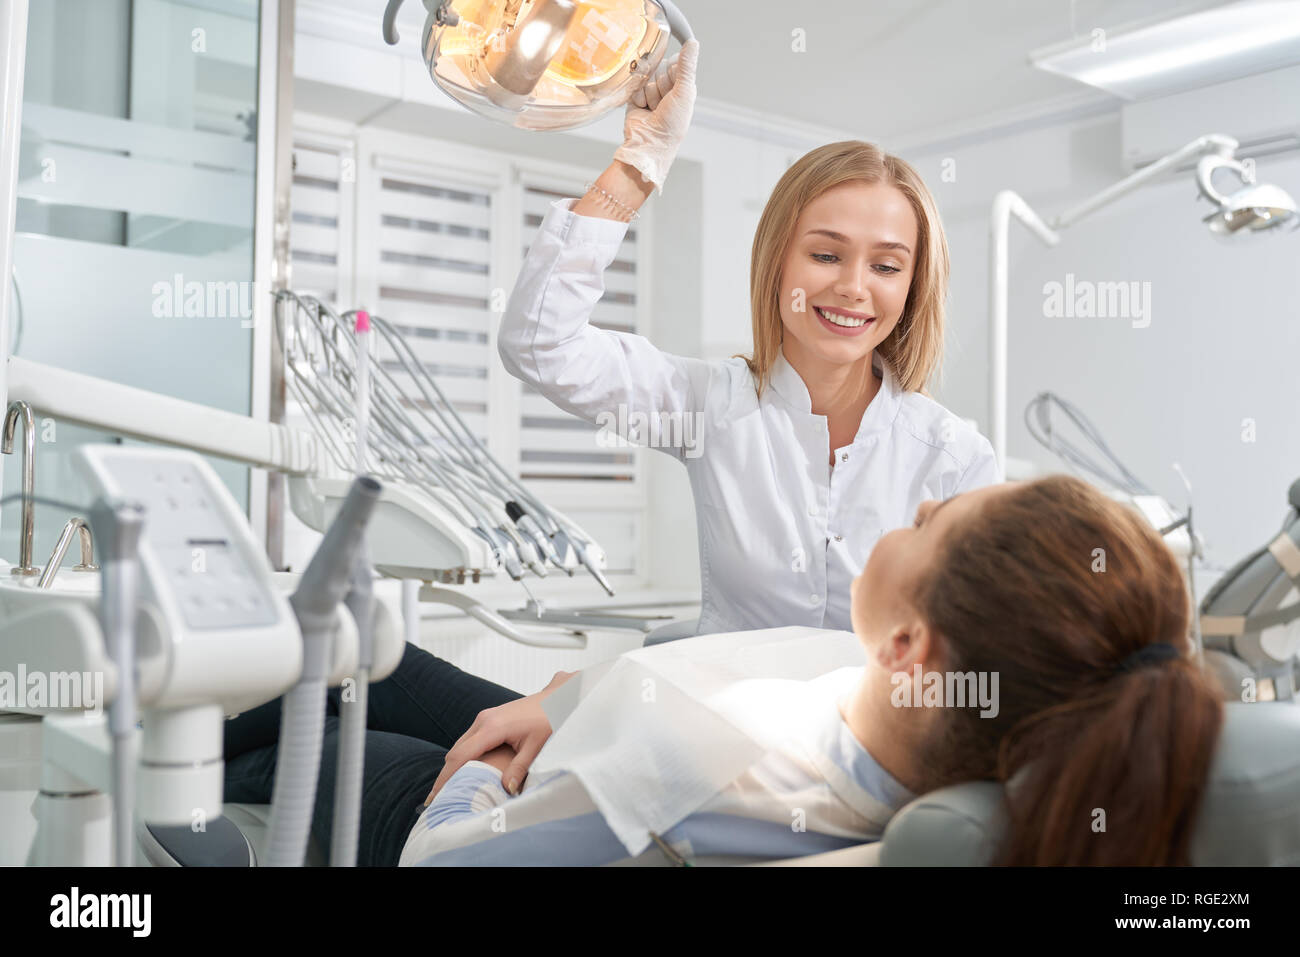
(412, 718)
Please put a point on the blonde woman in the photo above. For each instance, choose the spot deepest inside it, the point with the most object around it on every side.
(803, 454)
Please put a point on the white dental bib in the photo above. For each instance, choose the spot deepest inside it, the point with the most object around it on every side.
(658, 731)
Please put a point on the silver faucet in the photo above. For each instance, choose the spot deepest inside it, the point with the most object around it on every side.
(16, 408)
(87, 563)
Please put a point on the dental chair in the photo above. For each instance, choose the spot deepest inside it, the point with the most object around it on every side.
(1250, 813)
(237, 839)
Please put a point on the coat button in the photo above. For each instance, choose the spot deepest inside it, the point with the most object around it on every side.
(814, 599)
(839, 538)
(812, 510)
(844, 456)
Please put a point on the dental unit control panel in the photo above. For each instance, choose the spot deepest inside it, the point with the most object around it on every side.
(205, 575)
(196, 629)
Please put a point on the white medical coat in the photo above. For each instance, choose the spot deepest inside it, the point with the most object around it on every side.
(782, 534)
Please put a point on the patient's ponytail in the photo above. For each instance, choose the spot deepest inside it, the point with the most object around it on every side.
(1106, 725)
(1117, 779)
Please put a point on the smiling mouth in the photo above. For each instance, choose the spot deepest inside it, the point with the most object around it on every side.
(846, 322)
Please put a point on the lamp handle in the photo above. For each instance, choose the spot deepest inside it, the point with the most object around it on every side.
(1205, 169)
(677, 23)
(390, 22)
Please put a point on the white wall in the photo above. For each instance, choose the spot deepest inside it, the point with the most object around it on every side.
(1221, 346)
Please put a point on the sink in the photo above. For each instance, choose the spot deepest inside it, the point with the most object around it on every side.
(19, 593)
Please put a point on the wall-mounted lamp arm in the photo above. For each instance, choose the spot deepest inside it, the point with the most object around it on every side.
(1008, 203)
(1005, 205)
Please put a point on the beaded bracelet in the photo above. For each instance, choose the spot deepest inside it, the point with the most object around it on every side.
(620, 206)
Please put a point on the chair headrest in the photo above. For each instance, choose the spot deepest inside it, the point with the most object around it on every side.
(1250, 813)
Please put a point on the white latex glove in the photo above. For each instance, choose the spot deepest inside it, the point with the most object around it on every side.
(659, 114)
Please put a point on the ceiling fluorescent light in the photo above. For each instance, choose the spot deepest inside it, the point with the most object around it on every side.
(1209, 46)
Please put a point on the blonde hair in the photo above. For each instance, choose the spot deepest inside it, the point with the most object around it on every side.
(914, 347)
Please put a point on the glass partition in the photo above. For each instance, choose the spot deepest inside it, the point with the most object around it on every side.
(133, 259)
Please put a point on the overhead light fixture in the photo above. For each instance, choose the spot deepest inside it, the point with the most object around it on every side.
(1196, 49)
(543, 64)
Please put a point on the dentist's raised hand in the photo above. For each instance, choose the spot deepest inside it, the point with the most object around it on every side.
(659, 115)
(521, 725)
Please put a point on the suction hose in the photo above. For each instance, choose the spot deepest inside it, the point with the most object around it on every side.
(118, 526)
(302, 721)
(352, 720)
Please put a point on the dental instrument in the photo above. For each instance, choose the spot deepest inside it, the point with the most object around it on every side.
(321, 376)
(1110, 473)
(1038, 420)
(417, 440)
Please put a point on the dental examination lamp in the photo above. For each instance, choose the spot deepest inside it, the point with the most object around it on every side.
(544, 64)
(1250, 210)
(1254, 208)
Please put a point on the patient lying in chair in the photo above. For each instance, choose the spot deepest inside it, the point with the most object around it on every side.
(813, 787)
(1036, 630)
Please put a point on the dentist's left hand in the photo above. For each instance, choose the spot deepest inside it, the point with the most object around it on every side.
(521, 725)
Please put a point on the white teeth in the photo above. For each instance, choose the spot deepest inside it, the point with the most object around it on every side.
(840, 320)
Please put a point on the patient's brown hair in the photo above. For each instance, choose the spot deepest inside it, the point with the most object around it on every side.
(1019, 589)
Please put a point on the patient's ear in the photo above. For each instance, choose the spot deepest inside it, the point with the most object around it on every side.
(909, 643)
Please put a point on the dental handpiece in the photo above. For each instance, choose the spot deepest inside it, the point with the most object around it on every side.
(586, 559)
(529, 527)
